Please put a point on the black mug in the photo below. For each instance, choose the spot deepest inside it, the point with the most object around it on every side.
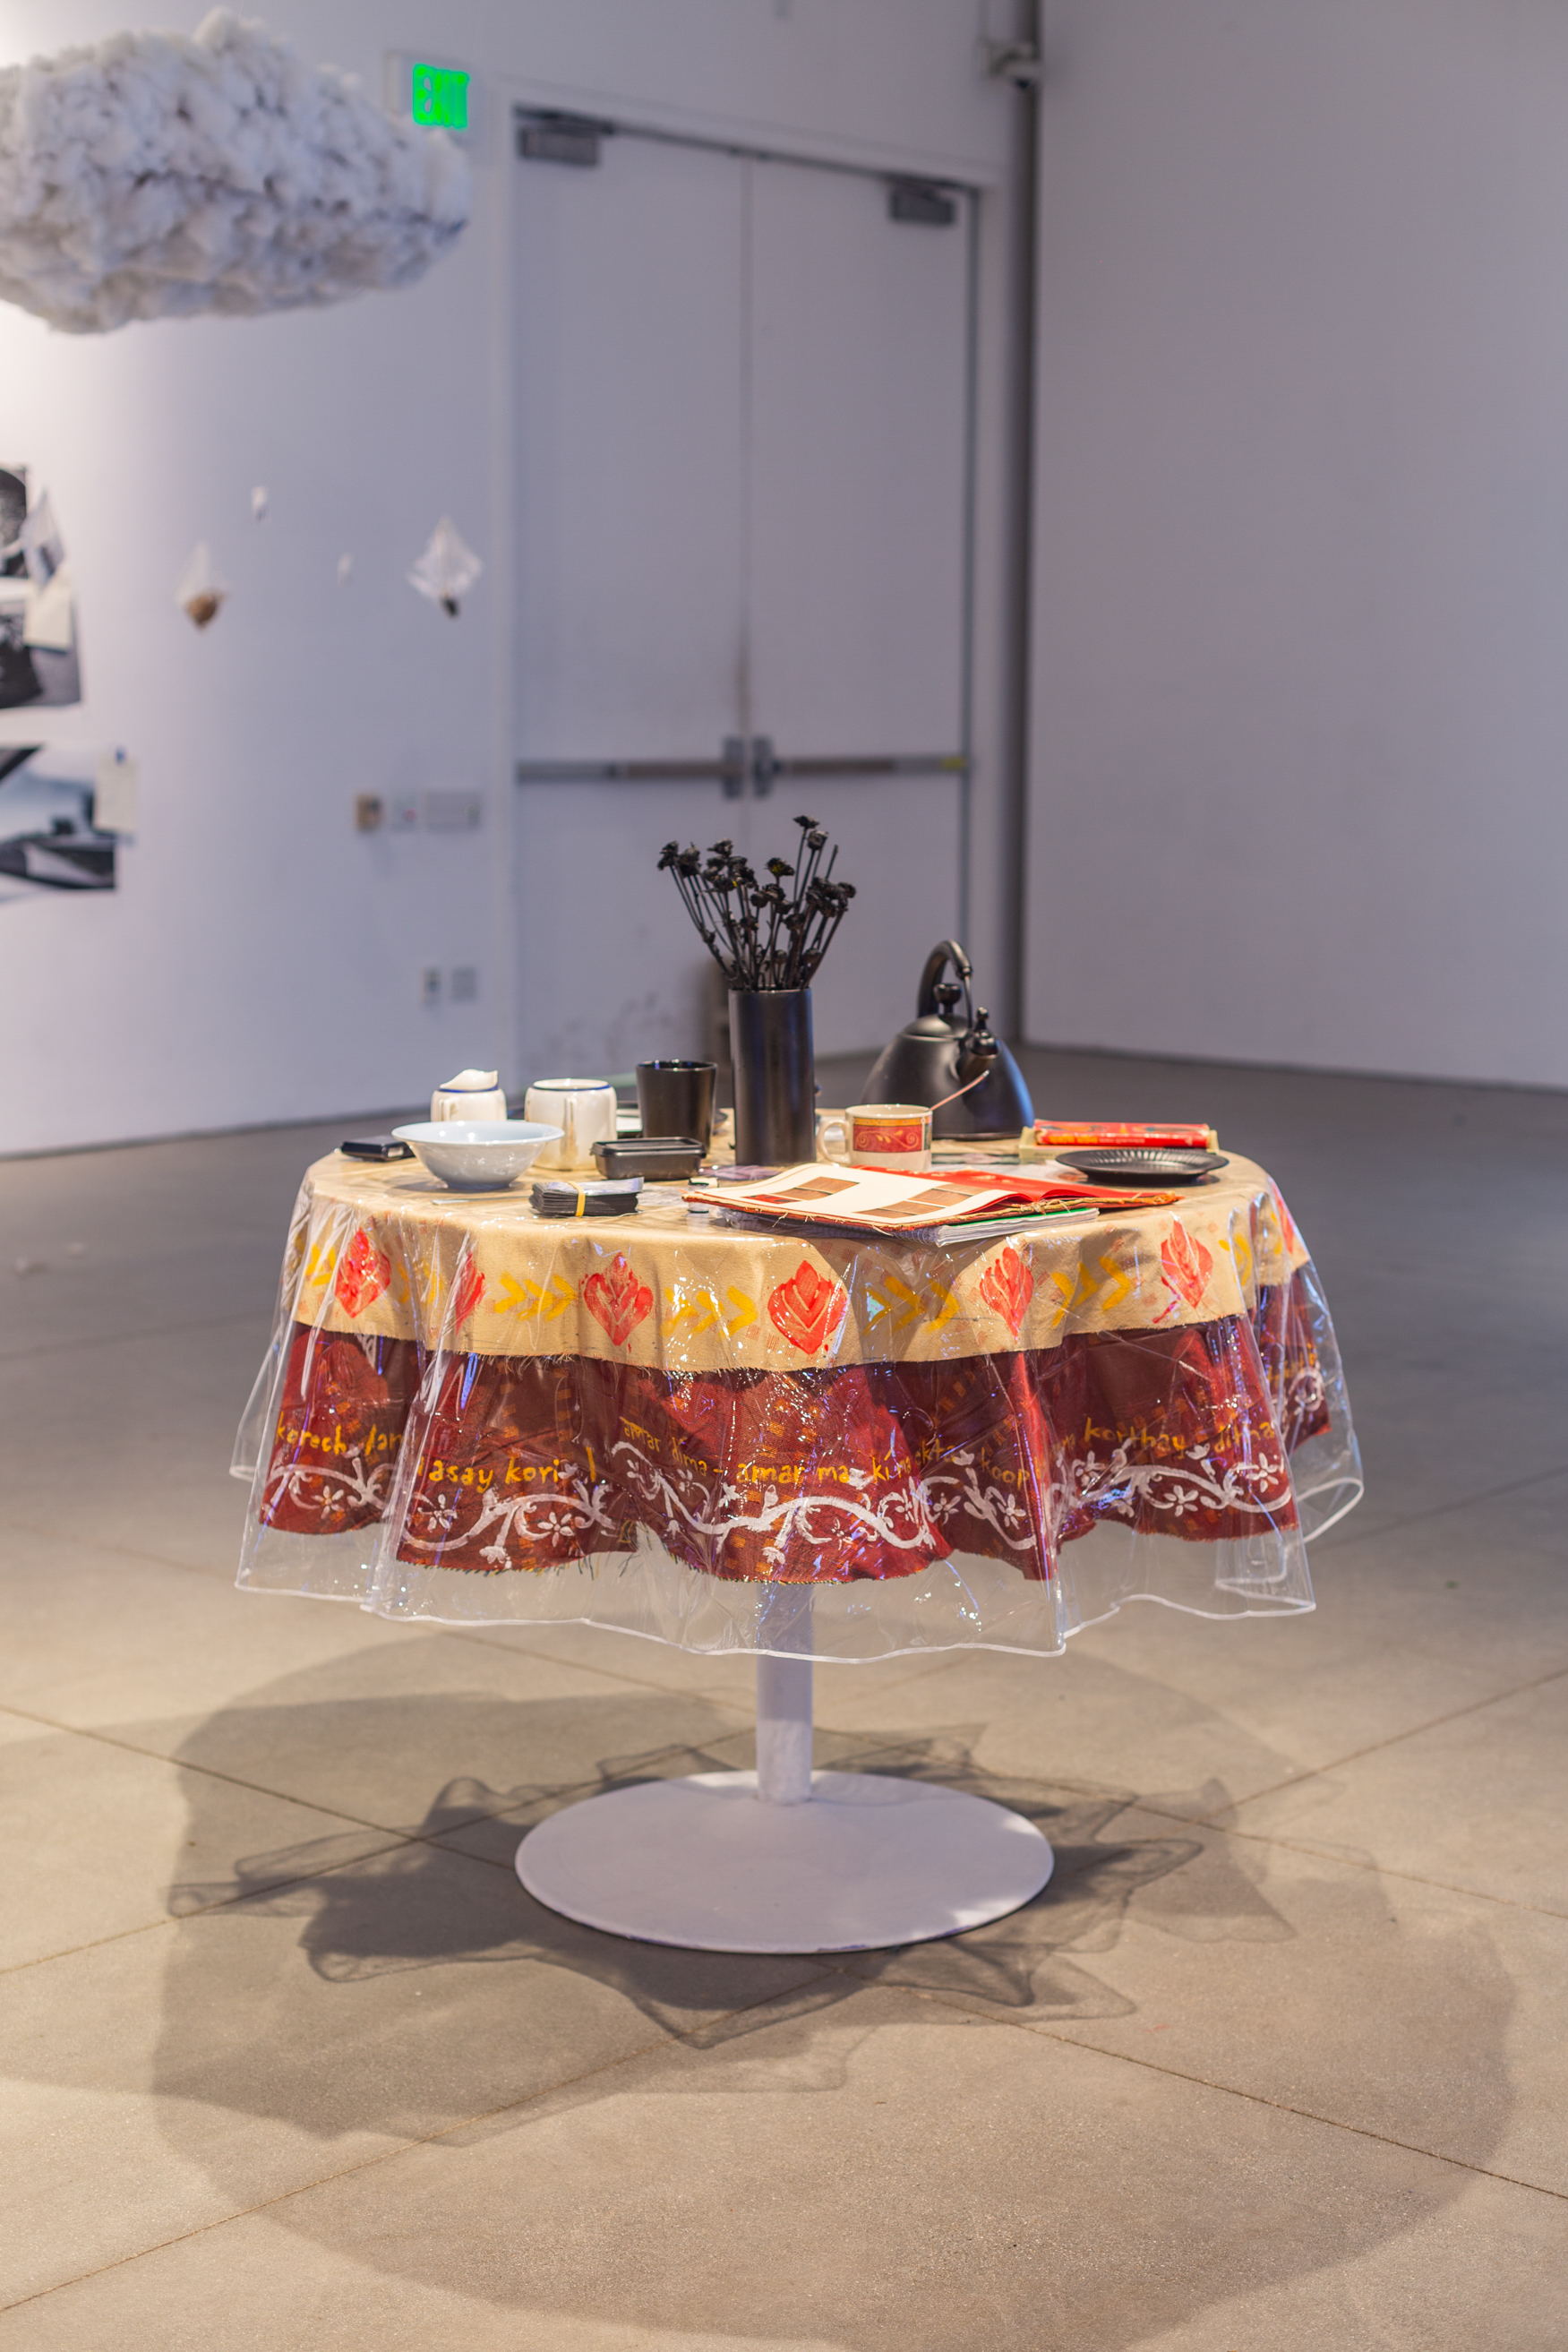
(676, 1098)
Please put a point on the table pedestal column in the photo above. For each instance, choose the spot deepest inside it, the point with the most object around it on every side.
(784, 1730)
(784, 1859)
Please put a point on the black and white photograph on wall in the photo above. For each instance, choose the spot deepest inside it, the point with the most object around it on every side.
(39, 662)
(47, 838)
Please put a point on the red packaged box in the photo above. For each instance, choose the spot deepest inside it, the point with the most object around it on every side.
(1081, 1134)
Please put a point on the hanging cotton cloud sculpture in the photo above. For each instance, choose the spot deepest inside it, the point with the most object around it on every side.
(156, 176)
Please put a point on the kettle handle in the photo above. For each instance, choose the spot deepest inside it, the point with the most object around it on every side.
(945, 952)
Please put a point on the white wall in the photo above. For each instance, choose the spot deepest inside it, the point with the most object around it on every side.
(1300, 719)
(261, 960)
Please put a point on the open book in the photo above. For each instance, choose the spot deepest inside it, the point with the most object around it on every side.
(888, 1201)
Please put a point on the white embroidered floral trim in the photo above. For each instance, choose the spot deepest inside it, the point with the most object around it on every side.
(347, 1484)
(1119, 1485)
(910, 1518)
(903, 1518)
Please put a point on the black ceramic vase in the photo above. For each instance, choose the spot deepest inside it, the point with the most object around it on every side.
(775, 1077)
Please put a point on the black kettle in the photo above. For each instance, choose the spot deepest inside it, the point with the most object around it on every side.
(935, 1057)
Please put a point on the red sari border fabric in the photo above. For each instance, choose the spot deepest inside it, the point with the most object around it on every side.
(524, 1463)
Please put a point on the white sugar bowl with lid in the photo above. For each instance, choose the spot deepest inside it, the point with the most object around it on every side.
(472, 1095)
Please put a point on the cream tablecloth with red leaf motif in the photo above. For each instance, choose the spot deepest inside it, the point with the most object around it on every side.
(661, 1422)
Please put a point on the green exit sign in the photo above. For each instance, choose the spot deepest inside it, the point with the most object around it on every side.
(439, 95)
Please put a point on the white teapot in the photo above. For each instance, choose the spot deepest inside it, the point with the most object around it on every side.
(472, 1093)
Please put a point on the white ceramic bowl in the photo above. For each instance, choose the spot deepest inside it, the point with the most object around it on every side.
(477, 1155)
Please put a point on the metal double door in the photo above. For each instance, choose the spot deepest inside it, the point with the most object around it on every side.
(744, 419)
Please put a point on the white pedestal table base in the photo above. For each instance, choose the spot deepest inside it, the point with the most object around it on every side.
(784, 1859)
(707, 1863)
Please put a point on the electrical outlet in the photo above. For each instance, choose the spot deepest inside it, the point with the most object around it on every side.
(464, 984)
(430, 984)
(446, 811)
(442, 811)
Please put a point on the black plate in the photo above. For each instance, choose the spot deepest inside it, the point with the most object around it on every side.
(1142, 1163)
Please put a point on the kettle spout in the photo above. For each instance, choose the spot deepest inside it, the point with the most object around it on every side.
(977, 1050)
(992, 1097)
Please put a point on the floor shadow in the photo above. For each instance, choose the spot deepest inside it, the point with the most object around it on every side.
(404, 1991)
(407, 1909)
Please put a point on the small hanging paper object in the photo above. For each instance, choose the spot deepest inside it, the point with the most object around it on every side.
(114, 793)
(259, 506)
(447, 569)
(200, 593)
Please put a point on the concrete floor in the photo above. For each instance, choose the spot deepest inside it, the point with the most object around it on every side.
(1275, 2062)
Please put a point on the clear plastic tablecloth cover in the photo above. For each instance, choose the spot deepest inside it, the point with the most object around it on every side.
(670, 1424)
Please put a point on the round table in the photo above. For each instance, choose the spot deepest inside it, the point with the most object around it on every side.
(800, 1446)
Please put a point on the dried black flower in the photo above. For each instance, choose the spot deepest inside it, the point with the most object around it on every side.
(761, 935)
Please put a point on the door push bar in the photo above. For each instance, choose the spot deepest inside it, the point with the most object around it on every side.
(743, 761)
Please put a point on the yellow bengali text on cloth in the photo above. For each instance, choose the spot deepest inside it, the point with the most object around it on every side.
(385, 1250)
